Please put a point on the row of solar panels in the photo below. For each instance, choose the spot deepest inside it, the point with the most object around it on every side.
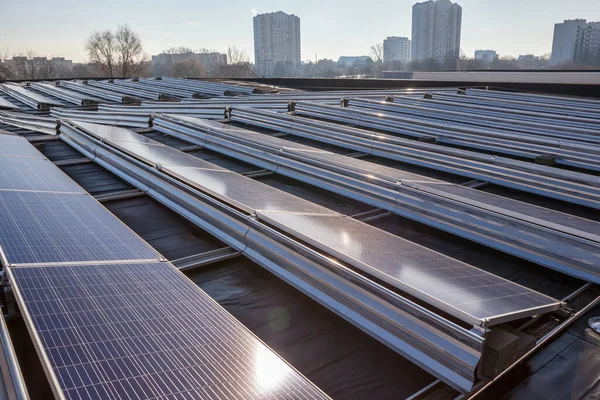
(547, 237)
(439, 282)
(110, 318)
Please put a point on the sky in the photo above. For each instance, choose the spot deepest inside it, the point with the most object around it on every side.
(330, 28)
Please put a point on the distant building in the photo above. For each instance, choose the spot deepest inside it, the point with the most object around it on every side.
(576, 41)
(354, 61)
(587, 44)
(40, 67)
(436, 26)
(487, 56)
(276, 44)
(396, 48)
(528, 61)
(162, 64)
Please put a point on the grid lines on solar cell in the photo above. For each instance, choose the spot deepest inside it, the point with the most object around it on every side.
(456, 287)
(143, 331)
(17, 146)
(45, 227)
(34, 174)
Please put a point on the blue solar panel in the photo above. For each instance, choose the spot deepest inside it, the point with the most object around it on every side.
(144, 331)
(17, 146)
(34, 174)
(45, 227)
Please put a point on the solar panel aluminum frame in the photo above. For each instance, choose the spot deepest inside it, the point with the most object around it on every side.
(439, 359)
(45, 361)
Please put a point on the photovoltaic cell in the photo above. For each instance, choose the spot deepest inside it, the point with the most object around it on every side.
(144, 331)
(45, 227)
(466, 292)
(245, 193)
(17, 146)
(34, 174)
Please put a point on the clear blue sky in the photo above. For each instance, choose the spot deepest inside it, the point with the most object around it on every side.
(330, 28)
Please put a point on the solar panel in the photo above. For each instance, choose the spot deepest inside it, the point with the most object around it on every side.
(143, 148)
(364, 167)
(516, 208)
(240, 135)
(468, 293)
(17, 146)
(45, 227)
(144, 331)
(5, 104)
(34, 174)
(245, 193)
(108, 133)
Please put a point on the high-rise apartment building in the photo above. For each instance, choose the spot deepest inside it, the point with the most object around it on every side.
(563, 44)
(587, 44)
(396, 48)
(436, 28)
(276, 44)
(576, 41)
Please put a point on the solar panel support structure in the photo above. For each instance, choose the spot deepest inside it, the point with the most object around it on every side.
(10, 369)
(381, 313)
(529, 239)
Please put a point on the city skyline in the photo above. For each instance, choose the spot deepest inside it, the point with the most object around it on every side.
(328, 30)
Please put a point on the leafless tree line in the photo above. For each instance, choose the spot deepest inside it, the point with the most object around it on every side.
(118, 54)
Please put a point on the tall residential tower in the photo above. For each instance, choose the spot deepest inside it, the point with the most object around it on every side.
(436, 31)
(276, 44)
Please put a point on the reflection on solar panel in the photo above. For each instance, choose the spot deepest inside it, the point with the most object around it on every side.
(143, 331)
(111, 132)
(364, 167)
(17, 146)
(245, 193)
(468, 293)
(519, 209)
(44, 227)
(34, 174)
(144, 149)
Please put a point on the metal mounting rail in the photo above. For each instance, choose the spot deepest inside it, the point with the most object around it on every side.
(543, 236)
(33, 100)
(97, 92)
(573, 187)
(446, 350)
(581, 103)
(137, 93)
(66, 95)
(564, 152)
(206, 258)
(422, 108)
(555, 111)
(477, 109)
(9, 366)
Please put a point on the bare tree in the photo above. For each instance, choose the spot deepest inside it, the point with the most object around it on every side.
(178, 50)
(130, 51)
(5, 71)
(189, 69)
(377, 52)
(236, 56)
(117, 53)
(101, 47)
